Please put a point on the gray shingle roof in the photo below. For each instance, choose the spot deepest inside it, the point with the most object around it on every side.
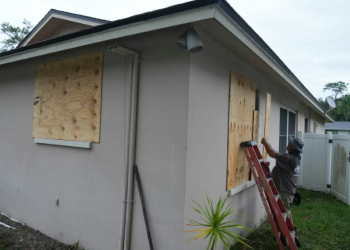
(337, 126)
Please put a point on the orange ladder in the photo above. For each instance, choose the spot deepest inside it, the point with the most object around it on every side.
(281, 224)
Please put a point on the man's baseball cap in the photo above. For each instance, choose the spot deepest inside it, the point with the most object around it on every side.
(297, 144)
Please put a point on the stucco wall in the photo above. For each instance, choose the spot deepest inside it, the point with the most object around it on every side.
(181, 147)
(208, 135)
(208, 132)
(89, 183)
(161, 138)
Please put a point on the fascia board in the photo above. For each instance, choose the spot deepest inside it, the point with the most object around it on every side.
(28, 39)
(128, 30)
(237, 31)
(59, 16)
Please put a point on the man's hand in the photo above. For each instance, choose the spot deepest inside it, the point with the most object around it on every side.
(264, 141)
(270, 151)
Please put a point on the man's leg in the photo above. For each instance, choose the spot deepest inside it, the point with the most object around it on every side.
(287, 200)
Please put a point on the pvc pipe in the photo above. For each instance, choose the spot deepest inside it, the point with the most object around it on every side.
(133, 118)
(130, 144)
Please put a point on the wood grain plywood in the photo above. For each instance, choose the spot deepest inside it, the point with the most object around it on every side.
(242, 105)
(67, 99)
(256, 126)
(267, 122)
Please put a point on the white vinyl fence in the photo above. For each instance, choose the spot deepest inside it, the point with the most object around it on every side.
(325, 164)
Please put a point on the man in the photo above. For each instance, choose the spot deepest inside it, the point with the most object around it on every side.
(285, 173)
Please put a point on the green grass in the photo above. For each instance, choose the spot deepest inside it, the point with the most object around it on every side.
(322, 220)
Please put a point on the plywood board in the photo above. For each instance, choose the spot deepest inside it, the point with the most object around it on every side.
(242, 104)
(67, 99)
(256, 126)
(267, 122)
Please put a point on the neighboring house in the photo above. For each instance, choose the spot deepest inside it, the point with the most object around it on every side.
(338, 127)
(179, 116)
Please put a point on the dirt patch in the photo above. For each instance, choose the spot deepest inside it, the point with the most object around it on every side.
(26, 238)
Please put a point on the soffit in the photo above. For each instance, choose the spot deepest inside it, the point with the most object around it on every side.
(211, 19)
(258, 59)
(63, 22)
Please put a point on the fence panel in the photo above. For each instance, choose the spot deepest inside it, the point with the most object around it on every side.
(314, 159)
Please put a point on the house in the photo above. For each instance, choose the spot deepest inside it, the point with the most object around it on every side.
(82, 100)
(338, 127)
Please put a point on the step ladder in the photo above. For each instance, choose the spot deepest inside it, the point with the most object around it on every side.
(281, 225)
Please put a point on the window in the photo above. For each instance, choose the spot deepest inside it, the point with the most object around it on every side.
(287, 128)
(306, 125)
(67, 99)
(241, 109)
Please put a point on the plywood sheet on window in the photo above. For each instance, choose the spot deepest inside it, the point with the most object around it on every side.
(67, 99)
(242, 105)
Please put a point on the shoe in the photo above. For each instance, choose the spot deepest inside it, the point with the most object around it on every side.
(283, 240)
(297, 242)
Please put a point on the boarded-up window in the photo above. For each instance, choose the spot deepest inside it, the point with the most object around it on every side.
(242, 105)
(67, 99)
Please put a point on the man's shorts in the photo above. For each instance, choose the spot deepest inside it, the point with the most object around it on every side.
(287, 199)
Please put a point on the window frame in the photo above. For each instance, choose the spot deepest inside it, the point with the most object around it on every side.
(287, 129)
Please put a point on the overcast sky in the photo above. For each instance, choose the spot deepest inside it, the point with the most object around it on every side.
(312, 37)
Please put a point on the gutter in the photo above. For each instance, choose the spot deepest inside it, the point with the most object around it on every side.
(125, 228)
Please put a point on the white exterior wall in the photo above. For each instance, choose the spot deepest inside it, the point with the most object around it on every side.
(181, 151)
(208, 130)
(161, 138)
(208, 135)
(89, 183)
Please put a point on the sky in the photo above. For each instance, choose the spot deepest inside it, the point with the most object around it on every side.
(312, 37)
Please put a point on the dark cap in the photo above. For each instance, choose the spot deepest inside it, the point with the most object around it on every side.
(297, 144)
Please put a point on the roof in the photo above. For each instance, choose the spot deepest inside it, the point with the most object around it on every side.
(53, 20)
(198, 12)
(337, 126)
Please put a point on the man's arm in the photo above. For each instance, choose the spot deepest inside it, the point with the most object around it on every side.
(270, 151)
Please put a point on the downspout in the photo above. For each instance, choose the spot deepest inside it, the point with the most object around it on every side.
(125, 227)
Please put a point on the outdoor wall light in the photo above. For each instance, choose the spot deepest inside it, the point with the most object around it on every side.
(190, 41)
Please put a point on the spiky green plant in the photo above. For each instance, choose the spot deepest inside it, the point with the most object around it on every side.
(215, 228)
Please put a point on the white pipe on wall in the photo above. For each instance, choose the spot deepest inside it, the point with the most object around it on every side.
(130, 145)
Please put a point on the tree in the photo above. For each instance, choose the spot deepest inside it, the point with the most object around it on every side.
(344, 107)
(336, 87)
(323, 104)
(15, 34)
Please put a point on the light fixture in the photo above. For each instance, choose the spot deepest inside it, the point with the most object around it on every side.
(190, 41)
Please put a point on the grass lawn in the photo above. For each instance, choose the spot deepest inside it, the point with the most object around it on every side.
(322, 220)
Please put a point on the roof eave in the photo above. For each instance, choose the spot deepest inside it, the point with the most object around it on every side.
(189, 12)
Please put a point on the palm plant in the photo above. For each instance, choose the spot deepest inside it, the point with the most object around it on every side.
(215, 226)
